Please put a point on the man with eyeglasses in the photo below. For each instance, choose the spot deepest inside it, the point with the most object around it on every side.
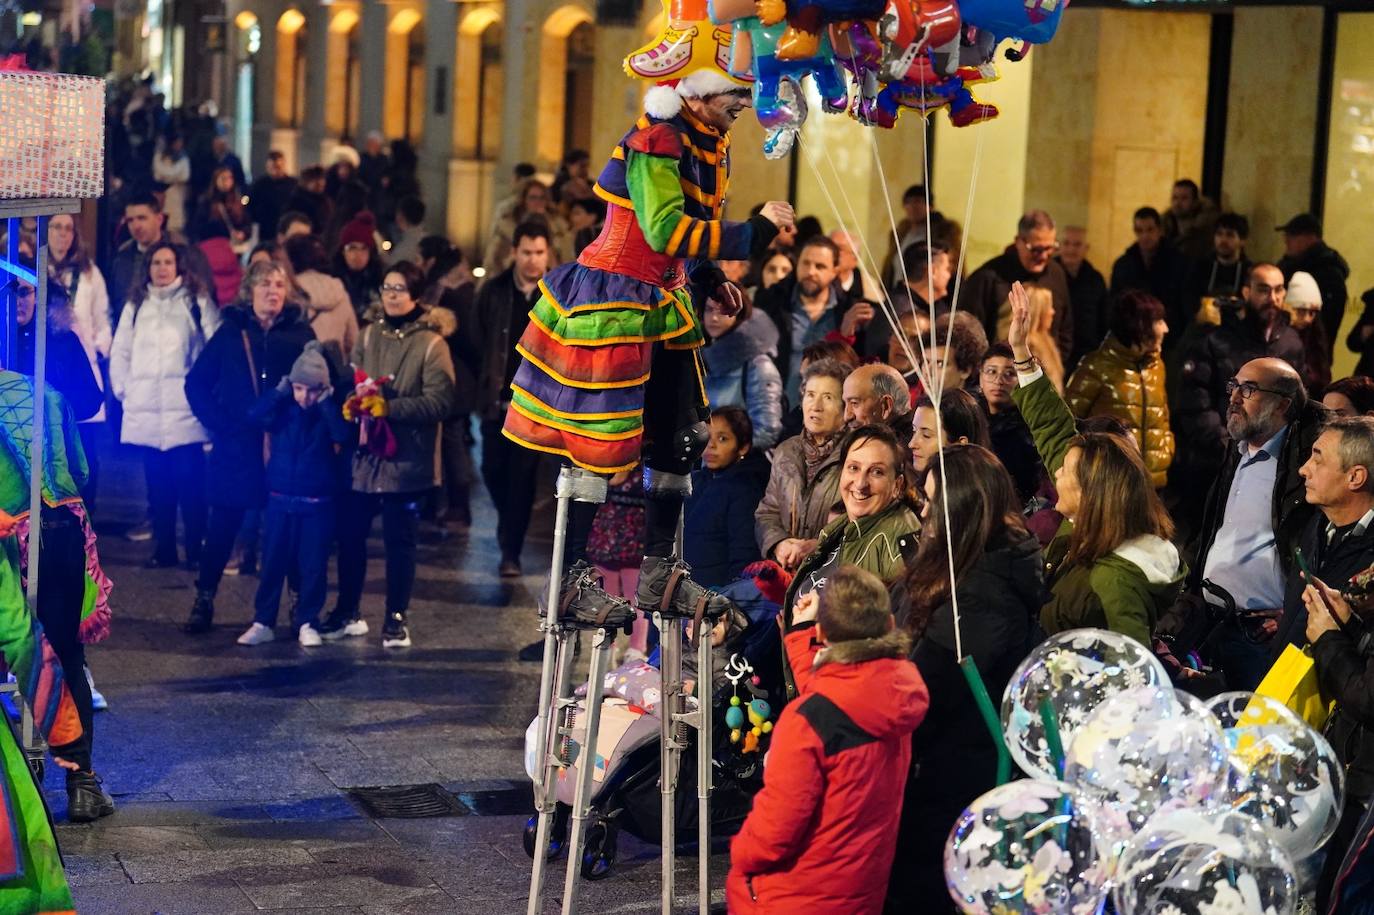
(1254, 513)
(1029, 259)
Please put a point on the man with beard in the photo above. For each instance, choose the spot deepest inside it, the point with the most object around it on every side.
(1029, 259)
(809, 306)
(1255, 513)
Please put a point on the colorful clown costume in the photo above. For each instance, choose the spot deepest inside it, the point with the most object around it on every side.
(625, 311)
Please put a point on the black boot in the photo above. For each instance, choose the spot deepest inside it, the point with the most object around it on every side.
(86, 800)
(586, 605)
(666, 586)
(202, 614)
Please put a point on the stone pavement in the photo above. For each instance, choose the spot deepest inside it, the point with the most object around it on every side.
(229, 765)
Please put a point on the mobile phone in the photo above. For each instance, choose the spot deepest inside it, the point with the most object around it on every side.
(1307, 576)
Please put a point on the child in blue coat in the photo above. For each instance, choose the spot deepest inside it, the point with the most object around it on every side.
(307, 431)
(718, 524)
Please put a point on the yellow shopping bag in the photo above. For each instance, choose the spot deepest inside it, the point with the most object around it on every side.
(1293, 681)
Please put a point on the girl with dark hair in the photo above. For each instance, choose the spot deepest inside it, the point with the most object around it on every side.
(718, 523)
(1353, 396)
(222, 203)
(1111, 565)
(998, 583)
(161, 333)
(1124, 378)
(358, 265)
(961, 422)
(739, 367)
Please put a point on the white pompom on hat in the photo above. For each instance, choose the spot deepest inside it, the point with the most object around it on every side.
(664, 100)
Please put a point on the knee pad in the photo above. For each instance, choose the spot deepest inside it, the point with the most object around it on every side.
(679, 453)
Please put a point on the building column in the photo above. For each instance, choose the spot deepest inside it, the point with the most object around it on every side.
(316, 61)
(519, 126)
(371, 66)
(436, 145)
(264, 85)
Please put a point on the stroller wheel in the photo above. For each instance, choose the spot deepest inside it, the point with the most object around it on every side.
(599, 856)
(558, 834)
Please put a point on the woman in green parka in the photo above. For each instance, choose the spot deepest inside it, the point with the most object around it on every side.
(1112, 565)
(877, 532)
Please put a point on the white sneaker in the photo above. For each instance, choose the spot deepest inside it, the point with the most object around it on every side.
(257, 634)
(98, 702)
(308, 637)
(140, 532)
(355, 628)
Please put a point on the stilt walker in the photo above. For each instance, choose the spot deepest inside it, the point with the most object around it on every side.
(610, 374)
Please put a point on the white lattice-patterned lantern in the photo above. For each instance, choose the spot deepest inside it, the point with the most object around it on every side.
(52, 135)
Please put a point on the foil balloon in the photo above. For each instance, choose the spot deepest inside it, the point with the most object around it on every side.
(1199, 863)
(1075, 671)
(1283, 773)
(1035, 21)
(1144, 752)
(785, 122)
(1027, 847)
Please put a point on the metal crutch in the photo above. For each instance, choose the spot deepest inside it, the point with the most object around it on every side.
(557, 707)
(586, 765)
(671, 743)
(702, 721)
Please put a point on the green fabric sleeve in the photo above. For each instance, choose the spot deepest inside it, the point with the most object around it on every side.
(1050, 421)
(656, 191)
(1126, 601)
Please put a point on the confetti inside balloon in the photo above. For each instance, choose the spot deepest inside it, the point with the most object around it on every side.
(1143, 752)
(1217, 863)
(1027, 847)
(1076, 671)
(1283, 773)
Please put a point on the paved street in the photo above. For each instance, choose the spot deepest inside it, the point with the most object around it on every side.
(230, 765)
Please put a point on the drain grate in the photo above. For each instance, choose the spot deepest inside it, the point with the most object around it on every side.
(408, 802)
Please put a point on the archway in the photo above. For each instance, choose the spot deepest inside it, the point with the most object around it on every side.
(479, 79)
(246, 44)
(405, 75)
(290, 94)
(341, 73)
(554, 95)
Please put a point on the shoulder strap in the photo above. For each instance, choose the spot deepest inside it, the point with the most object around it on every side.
(252, 363)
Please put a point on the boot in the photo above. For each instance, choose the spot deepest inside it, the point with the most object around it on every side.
(666, 586)
(584, 604)
(86, 800)
(202, 614)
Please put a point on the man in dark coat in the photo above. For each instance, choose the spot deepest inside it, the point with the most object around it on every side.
(1305, 251)
(1223, 273)
(269, 195)
(1153, 265)
(1087, 295)
(1030, 260)
(68, 369)
(146, 224)
(255, 346)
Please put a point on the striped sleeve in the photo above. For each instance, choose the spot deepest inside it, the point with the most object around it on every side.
(656, 191)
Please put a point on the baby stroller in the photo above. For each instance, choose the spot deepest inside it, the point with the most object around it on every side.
(748, 665)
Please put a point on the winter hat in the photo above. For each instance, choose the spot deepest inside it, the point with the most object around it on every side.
(359, 230)
(310, 367)
(345, 153)
(1303, 291)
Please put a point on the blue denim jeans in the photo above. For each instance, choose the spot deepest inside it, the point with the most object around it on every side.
(298, 532)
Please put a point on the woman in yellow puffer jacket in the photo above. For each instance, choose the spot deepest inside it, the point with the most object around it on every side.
(1124, 378)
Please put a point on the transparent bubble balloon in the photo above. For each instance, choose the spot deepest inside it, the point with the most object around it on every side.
(1076, 671)
(1283, 773)
(1027, 847)
(1205, 863)
(1145, 751)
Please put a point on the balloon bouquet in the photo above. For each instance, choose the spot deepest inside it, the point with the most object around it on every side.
(1172, 805)
(895, 54)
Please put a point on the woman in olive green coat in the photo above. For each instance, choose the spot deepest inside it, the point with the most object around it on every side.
(1112, 565)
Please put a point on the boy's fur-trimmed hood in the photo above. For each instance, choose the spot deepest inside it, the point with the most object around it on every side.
(893, 644)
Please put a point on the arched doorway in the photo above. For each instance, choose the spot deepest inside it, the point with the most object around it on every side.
(290, 94)
(405, 75)
(478, 81)
(554, 79)
(578, 91)
(247, 42)
(341, 68)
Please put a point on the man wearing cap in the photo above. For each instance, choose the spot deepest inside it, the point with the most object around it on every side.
(1304, 250)
(1303, 303)
(611, 376)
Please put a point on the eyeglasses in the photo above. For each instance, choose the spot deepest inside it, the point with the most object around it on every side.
(394, 287)
(1005, 375)
(1248, 388)
(1040, 250)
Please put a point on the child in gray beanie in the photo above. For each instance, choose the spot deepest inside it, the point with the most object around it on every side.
(307, 433)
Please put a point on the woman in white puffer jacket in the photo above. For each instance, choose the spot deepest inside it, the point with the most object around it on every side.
(162, 330)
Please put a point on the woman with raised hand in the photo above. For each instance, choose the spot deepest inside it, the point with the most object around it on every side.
(1112, 565)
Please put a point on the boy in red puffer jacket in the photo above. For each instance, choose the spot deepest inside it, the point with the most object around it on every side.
(821, 835)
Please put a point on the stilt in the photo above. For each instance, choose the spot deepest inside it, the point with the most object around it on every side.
(705, 692)
(586, 766)
(671, 744)
(557, 706)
